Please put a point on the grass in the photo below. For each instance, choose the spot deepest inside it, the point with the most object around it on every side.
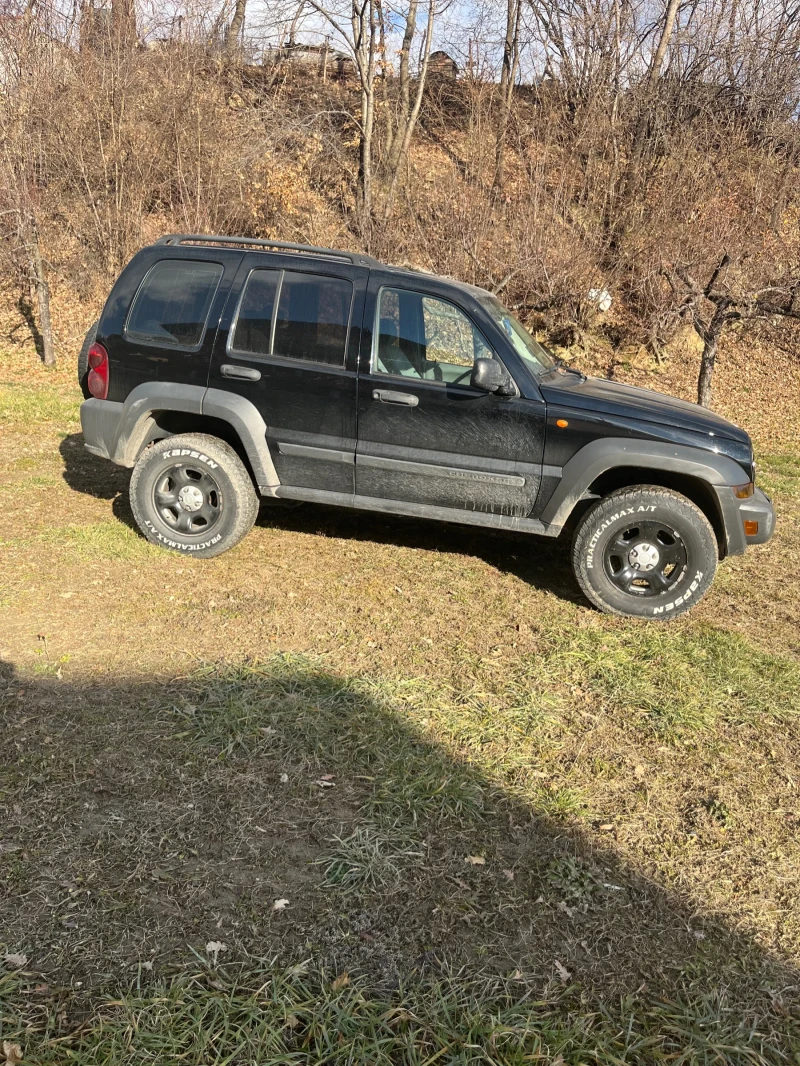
(677, 680)
(368, 857)
(780, 474)
(24, 405)
(111, 539)
(271, 1017)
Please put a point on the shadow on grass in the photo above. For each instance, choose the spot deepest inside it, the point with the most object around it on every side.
(541, 561)
(25, 308)
(146, 817)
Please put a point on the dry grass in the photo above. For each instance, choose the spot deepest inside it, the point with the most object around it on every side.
(351, 712)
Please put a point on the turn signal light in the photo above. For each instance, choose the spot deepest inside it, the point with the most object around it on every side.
(751, 528)
(562, 423)
(97, 379)
(743, 492)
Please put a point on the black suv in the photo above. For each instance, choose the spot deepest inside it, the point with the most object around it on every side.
(223, 369)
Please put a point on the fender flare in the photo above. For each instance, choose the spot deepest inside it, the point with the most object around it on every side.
(719, 472)
(136, 423)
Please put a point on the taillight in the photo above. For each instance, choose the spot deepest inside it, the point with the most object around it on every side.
(97, 381)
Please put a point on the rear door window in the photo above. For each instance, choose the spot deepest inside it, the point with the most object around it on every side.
(253, 331)
(294, 315)
(172, 305)
(312, 320)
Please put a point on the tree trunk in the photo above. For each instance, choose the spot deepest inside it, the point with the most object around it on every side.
(402, 142)
(42, 289)
(365, 151)
(363, 20)
(395, 126)
(707, 362)
(629, 181)
(235, 28)
(724, 313)
(507, 78)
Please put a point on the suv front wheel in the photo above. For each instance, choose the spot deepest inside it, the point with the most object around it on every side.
(192, 493)
(646, 552)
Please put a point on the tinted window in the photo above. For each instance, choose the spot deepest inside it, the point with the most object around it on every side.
(312, 318)
(424, 337)
(172, 305)
(254, 320)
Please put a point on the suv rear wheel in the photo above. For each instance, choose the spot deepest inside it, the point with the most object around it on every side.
(192, 493)
(645, 552)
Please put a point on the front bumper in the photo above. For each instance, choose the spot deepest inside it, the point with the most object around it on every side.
(756, 508)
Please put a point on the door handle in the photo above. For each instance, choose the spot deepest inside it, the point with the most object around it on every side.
(405, 399)
(247, 373)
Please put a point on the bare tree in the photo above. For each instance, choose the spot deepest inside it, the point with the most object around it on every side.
(356, 24)
(401, 129)
(25, 66)
(508, 74)
(725, 305)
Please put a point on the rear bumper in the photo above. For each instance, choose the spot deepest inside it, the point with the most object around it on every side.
(756, 508)
(100, 422)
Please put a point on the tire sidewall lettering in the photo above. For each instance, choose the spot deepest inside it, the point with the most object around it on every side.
(693, 587)
(622, 513)
(169, 542)
(189, 453)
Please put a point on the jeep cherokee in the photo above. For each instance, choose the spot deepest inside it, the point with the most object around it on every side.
(224, 369)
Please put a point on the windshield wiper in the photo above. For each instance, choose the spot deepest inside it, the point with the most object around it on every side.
(561, 365)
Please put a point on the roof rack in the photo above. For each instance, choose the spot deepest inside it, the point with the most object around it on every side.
(356, 258)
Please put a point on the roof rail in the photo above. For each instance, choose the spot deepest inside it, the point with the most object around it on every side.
(356, 258)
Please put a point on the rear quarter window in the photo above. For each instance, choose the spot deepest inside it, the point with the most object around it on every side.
(172, 304)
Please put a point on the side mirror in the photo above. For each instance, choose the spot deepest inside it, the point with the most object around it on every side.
(491, 376)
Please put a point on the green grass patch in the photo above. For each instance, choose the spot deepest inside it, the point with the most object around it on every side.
(275, 1017)
(779, 474)
(674, 679)
(111, 539)
(369, 857)
(25, 405)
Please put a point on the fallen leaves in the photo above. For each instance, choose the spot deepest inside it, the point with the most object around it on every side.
(16, 960)
(280, 904)
(475, 860)
(340, 982)
(213, 948)
(12, 1052)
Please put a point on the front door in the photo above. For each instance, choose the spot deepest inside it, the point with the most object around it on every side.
(285, 344)
(426, 436)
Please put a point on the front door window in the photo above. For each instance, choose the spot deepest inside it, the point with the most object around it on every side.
(425, 338)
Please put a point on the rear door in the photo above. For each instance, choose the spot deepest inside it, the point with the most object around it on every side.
(426, 436)
(288, 342)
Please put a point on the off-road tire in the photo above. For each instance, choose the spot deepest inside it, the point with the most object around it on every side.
(83, 359)
(629, 523)
(206, 467)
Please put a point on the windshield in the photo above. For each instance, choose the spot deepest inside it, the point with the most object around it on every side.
(536, 357)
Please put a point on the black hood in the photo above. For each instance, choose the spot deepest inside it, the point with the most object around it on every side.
(616, 400)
